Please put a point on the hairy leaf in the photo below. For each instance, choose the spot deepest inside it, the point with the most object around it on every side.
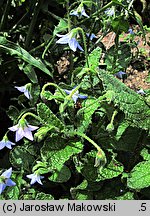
(139, 176)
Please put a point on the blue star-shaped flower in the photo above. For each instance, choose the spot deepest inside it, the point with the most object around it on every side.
(5, 180)
(70, 40)
(23, 129)
(35, 178)
(76, 95)
(25, 90)
(120, 74)
(110, 11)
(80, 11)
(6, 143)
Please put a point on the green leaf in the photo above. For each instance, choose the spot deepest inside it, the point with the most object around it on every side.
(119, 25)
(43, 196)
(145, 154)
(126, 196)
(13, 193)
(113, 169)
(42, 132)
(56, 151)
(13, 113)
(21, 158)
(93, 60)
(14, 49)
(62, 175)
(62, 26)
(85, 114)
(48, 117)
(121, 129)
(30, 72)
(139, 176)
(134, 107)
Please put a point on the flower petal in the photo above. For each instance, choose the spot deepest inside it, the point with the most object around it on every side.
(68, 91)
(19, 134)
(32, 128)
(9, 182)
(21, 89)
(75, 97)
(73, 44)
(2, 145)
(2, 187)
(80, 48)
(7, 173)
(64, 40)
(39, 179)
(28, 133)
(13, 128)
(82, 96)
(27, 94)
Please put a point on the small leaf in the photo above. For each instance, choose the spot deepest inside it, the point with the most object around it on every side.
(62, 26)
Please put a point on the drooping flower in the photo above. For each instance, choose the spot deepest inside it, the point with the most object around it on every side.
(110, 11)
(35, 178)
(5, 180)
(6, 143)
(80, 11)
(23, 129)
(120, 74)
(141, 91)
(91, 36)
(76, 95)
(131, 31)
(70, 40)
(25, 90)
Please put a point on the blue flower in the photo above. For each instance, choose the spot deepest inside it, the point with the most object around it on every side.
(120, 74)
(110, 11)
(6, 143)
(25, 90)
(76, 95)
(23, 129)
(5, 180)
(70, 40)
(35, 178)
(131, 31)
(91, 36)
(141, 91)
(80, 11)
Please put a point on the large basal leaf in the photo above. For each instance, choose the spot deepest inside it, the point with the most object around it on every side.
(14, 49)
(139, 176)
(133, 105)
(56, 151)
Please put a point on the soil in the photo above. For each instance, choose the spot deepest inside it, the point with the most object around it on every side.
(138, 70)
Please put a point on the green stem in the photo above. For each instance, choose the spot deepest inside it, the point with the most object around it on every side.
(32, 25)
(30, 114)
(47, 47)
(91, 141)
(85, 45)
(38, 47)
(55, 85)
(113, 116)
(5, 15)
